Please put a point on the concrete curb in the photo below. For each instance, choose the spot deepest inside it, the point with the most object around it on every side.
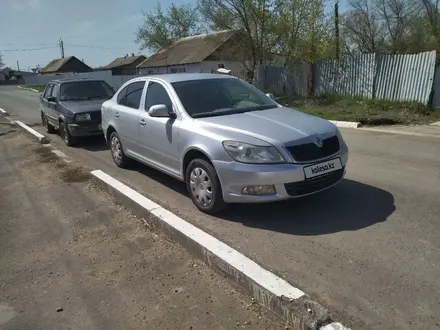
(3, 111)
(346, 124)
(391, 131)
(269, 290)
(33, 133)
(29, 89)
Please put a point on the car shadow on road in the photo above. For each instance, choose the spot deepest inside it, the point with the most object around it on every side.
(92, 143)
(349, 206)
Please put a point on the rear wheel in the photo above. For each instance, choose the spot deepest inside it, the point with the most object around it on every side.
(204, 186)
(68, 139)
(117, 151)
(49, 128)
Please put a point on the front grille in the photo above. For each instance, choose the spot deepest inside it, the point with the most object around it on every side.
(310, 151)
(314, 184)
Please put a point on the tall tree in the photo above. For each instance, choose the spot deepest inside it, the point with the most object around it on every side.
(253, 20)
(1, 61)
(431, 9)
(303, 30)
(362, 28)
(160, 28)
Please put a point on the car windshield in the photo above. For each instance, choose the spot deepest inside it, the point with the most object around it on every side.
(220, 96)
(85, 90)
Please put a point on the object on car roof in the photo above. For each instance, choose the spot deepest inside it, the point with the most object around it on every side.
(223, 71)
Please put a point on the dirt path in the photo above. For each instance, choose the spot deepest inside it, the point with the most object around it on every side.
(65, 245)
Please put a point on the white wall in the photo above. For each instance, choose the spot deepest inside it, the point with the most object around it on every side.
(114, 81)
(203, 67)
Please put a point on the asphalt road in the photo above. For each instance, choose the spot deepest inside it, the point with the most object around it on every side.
(369, 249)
(65, 244)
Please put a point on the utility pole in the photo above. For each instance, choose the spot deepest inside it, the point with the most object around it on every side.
(62, 48)
(337, 28)
(18, 66)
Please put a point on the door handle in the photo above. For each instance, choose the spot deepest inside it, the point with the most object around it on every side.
(117, 114)
(142, 122)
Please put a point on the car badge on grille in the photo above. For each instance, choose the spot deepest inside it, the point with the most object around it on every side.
(319, 142)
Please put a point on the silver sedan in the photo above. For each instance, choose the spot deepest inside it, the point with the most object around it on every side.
(228, 141)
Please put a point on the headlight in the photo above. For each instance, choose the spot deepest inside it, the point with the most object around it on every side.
(340, 138)
(83, 117)
(248, 153)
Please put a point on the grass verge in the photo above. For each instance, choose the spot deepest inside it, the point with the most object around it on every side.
(39, 88)
(367, 112)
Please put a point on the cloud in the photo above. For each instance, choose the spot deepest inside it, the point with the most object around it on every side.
(21, 5)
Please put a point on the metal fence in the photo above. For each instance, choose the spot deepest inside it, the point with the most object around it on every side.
(391, 77)
(114, 81)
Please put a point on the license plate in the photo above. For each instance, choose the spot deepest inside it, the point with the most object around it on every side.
(100, 126)
(322, 168)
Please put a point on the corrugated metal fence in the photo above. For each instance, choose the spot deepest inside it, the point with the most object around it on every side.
(391, 77)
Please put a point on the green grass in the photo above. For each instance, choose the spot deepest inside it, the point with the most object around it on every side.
(367, 112)
(39, 88)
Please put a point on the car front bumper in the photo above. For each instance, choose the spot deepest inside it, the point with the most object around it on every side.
(288, 179)
(86, 129)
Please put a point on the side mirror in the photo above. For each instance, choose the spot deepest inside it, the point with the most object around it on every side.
(271, 96)
(161, 110)
(51, 99)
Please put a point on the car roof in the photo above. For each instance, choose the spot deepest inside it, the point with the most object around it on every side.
(179, 77)
(69, 80)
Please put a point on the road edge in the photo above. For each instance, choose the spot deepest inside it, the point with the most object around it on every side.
(32, 133)
(346, 124)
(269, 290)
(29, 89)
(397, 132)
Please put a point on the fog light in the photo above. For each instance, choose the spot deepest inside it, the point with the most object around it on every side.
(259, 190)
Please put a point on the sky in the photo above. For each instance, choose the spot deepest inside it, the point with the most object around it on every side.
(96, 31)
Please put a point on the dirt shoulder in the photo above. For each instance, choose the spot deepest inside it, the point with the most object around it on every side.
(65, 245)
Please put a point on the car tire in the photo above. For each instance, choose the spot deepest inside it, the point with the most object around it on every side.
(68, 139)
(118, 155)
(49, 128)
(204, 186)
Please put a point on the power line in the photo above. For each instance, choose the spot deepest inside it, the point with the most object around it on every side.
(95, 47)
(28, 49)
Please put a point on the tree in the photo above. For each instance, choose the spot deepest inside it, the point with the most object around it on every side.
(253, 21)
(161, 28)
(1, 61)
(431, 10)
(362, 28)
(304, 30)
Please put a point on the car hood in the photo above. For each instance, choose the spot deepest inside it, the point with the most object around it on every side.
(83, 106)
(278, 125)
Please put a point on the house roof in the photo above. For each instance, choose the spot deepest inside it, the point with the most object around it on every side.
(121, 61)
(57, 64)
(188, 50)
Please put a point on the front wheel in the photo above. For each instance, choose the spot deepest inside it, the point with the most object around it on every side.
(68, 139)
(204, 186)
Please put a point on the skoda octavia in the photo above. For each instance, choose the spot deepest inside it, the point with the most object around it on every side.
(228, 141)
